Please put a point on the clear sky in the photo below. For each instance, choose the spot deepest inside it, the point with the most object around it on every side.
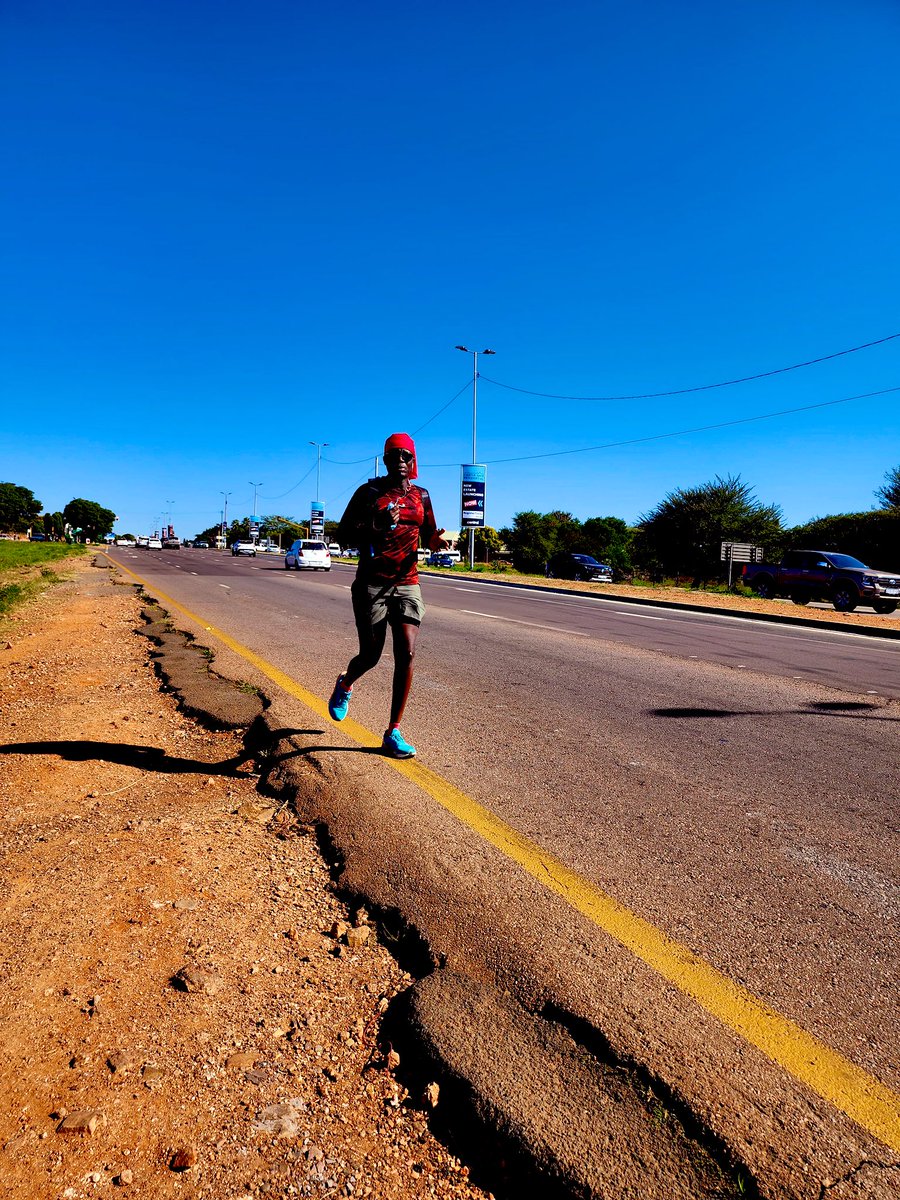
(233, 228)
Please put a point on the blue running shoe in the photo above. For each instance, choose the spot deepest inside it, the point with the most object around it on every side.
(340, 700)
(394, 745)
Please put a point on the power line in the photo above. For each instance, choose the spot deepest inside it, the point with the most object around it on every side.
(656, 437)
(294, 488)
(706, 387)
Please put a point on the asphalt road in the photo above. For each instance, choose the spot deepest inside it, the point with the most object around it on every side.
(733, 784)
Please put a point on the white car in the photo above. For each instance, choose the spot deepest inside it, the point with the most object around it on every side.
(154, 544)
(306, 554)
(270, 550)
(248, 548)
(334, 550)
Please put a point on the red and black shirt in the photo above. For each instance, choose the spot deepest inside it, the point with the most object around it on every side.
(388, 555)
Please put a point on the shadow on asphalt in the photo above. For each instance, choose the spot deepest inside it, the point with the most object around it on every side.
(831, 708)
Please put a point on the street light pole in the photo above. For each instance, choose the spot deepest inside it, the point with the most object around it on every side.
(253, 516)
(319, 447)
(225, 519)
(474, 354)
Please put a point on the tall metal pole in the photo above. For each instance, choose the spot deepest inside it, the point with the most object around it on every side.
(225, 519)
(319, 447)
(474, 354)
(254, 514)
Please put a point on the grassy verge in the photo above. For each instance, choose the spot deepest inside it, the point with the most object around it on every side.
(25, 569)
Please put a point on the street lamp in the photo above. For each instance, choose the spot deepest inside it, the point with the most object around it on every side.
(169, 504)
(319, 447)
(474, 354)
(256, 487)
(225, 518)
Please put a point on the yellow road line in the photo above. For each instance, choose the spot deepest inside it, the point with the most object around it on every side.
(849, 1088)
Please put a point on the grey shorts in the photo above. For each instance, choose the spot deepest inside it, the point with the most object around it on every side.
(374, 603)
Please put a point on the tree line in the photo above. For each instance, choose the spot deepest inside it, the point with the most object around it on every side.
(682, 536)
(22, 512)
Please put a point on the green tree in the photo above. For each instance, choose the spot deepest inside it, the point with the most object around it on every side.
(683, 534)
(873, 537)
(889, 492)
(534, 537)
(89, 517)
(19, 509)
(608, 539)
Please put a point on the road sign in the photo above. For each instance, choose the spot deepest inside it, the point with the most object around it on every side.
(474, 480)
(741, 552)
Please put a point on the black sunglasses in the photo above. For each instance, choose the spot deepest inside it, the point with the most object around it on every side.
(404, 454)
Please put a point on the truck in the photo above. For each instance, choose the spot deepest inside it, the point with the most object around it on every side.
(804, 575)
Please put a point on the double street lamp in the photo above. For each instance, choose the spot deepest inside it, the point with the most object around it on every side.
(319, 447)
(474, 353)
(225, 518)
(254, 515)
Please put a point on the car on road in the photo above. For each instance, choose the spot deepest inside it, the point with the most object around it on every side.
(154, 543)
(247, 548)
(334, 550)
(270, 549)
(441, 558)
(172, 543)
(309, 555)
(351, 552)
(201, 545)
(569, 565)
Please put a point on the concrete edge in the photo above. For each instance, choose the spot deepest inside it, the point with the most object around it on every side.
(686, 606)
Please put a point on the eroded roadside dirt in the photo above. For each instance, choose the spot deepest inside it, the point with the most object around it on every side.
(135, 845)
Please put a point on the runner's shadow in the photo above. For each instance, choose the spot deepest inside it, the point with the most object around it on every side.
(830, 708)
(144, 758)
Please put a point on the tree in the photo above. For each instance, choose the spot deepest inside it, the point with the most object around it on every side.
(683, 534)
(534, 537)
(608, 539)
(18, 508)
(889, 492)
(89, 518)
(488, 544)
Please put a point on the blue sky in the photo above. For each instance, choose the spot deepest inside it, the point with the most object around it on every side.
(231, 229)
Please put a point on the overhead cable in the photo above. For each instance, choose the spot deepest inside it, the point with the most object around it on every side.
(705, 387)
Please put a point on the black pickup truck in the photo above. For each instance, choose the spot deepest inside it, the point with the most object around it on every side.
(806, 575)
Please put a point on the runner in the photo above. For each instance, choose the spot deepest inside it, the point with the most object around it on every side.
(386, 518)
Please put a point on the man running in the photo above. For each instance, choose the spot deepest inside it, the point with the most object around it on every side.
(385, 518)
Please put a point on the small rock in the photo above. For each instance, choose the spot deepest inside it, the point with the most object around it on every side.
(361, 917)
(282, 1119)
(183, 1159)
(358, 937)
(339, 930)
(83, 1120)
(152, 1075)
(393, 1059)
(430, 1095)
(186, 904)
(192, 978)
(120, 1061)
(124, 1178)
(259, 813)
(241, 1060)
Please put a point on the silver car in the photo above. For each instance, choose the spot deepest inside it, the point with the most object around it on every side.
(309, 555)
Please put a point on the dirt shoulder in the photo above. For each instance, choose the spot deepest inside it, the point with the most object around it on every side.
(136, 846)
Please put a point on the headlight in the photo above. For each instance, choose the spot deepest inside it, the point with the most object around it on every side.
(870, 580)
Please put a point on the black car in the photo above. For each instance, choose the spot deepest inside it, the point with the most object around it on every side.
(566, 565)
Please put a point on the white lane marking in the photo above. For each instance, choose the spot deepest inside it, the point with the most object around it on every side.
(226, 586)
(346, 587)
(534, 624)
(462, 589)
(193, 572)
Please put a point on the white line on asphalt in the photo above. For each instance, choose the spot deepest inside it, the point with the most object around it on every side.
(226, 586)
(462, 589)
(534, 624)
(193, 572)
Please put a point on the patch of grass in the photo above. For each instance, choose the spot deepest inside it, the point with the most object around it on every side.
(249, 689)
(31, 554)
(10, 596)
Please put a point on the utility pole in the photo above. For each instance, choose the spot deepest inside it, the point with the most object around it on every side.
(474, 354)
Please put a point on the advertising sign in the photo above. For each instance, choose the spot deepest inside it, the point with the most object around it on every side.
(316, 519)
(474, 480)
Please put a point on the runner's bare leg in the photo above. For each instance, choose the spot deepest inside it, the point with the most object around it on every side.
(404, 636)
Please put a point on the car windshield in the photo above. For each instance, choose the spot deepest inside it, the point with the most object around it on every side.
(846, 560)
(586, 558)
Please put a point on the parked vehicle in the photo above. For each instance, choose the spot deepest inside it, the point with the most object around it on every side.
(351, 552)
(334, 549)
(440, 558)
(247, 548)
(806, 575)
(566, 565)
(306, 554)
